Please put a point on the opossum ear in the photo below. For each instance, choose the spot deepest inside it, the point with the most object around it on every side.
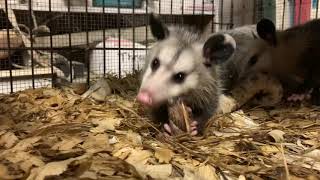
(267, 31)
(218, 49)
(158, 29)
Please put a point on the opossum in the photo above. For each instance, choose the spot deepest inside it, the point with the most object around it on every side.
(177, 68)
(255, 88)
(292, 55)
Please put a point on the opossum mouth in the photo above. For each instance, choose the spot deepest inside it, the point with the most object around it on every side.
(172, 101)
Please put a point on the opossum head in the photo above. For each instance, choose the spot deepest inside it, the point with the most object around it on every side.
(177, 62)
(259, 57)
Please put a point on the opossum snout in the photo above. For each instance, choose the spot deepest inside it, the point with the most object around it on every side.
(145, 97)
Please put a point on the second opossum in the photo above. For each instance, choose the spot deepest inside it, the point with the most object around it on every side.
(176, 68)
(292, 55)
(255, 88)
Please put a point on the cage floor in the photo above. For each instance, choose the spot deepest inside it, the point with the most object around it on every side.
(51, 133)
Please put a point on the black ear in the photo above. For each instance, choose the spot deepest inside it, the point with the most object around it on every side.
(218, 49)
(158, 29)
(267, 31)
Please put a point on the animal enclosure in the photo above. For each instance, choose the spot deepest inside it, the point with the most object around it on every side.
(44, 41)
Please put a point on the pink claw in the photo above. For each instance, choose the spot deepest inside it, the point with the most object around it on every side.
(194, 129)
(194, 133)
(189, 110)
(194, 123)
(296, 97)
(167, 128)
(171, 129)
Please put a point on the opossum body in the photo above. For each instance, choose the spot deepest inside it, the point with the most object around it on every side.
(258, 89)
(177, 68)
(292, 55)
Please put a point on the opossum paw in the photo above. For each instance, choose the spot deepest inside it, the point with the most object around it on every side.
(167, 128)
(296, 97)
(300, 97)
(171, 129)
(189, 110)
(194, 128)
(226, 104)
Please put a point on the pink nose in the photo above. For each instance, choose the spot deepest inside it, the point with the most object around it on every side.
(145, 98)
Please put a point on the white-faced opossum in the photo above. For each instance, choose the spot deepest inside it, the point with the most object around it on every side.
(292, 55)
(177, 67)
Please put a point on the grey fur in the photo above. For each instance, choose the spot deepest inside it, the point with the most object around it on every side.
(231, 70)
(295, 59)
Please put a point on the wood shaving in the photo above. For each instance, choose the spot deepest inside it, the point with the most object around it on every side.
(55, 133)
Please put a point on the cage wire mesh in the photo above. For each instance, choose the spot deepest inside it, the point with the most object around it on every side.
(80, 40)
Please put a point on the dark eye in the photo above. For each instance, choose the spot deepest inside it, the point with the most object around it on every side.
(155, 64)
(179, 77)
(253, 60)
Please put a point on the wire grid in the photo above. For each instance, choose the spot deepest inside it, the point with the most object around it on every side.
(80, 40)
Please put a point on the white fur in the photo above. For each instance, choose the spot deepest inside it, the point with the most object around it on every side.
(160, 82)
(229, 40)
(185, 62)
(189, 61)
(190, 83)
(167, 52)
